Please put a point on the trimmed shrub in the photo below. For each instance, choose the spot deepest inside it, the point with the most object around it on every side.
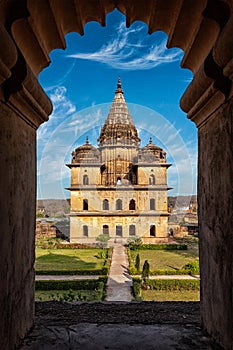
(169, 272)
(103, 239)
(96, 294)
(67, 285)
(162, 246)
(82, 272)
(192, 267)
(137, 262)
(145, 269)
(173, 284)
(169, 285)
(133, 271)
(78, 246)
(102, 254)
(136, 288)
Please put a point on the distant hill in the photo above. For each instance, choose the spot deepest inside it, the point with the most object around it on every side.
(53, 207)
(182, 202)
(61, 207)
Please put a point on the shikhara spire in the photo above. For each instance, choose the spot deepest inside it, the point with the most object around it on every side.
(119, 126)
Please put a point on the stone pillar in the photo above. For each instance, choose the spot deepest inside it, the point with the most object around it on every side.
(17, 250)
(23, 107)
(215, 193)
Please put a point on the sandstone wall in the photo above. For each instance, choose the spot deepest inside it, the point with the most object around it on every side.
(17, 191)
(45, 229)
(216, 223)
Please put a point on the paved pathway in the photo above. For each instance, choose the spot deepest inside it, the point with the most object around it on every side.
(119, 280)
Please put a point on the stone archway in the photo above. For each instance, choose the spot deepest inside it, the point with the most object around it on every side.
(29, 30)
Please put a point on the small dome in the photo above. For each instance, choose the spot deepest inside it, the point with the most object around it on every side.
(152, 153)
(85, 153)
(152, 147)
(85, 147)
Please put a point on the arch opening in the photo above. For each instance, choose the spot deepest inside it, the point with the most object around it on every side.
(195, 58)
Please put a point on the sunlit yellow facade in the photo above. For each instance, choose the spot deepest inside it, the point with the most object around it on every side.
(119, 188)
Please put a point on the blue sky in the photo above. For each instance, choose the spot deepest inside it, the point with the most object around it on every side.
(81, 82)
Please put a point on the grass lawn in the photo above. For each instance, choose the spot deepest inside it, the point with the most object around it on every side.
(164, 295)
(168, 259)
(74, 295)
(67, 259)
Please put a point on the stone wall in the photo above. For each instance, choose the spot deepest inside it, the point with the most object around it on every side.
(178, 230)
(45, 229)
(17, 190)
(216, 224)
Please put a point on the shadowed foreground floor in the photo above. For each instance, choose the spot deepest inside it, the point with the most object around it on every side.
(145, 325)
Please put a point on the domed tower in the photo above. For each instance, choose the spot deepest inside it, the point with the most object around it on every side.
(118, 189)
(85, 154)
(118, 143)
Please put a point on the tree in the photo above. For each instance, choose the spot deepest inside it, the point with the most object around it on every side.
(103, 239)
(145, 270)
(137, 262)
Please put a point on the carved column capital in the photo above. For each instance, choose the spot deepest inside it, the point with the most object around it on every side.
(8, 54)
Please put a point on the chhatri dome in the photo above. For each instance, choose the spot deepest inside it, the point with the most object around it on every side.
(85, 153)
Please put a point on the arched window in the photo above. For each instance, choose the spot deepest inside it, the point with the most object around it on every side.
(152, 204)
(119, 204)
(85, 231)
(152, 230)
(119, 230)
(119, 181)
(132, 230)
(85, 204)
(132, 204)
(105, 204)
(85, 180)
(105, 230)
(152, 179)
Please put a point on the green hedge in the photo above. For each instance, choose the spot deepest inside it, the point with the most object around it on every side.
(91, 272)
(162, 246)
(133, 271)
(67, 285)
(74, 295)
(55, 244)
(170, 284)
(75, 246)
(173, 284)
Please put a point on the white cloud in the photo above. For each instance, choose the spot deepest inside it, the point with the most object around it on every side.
(62, 107)
(61, 104)
(130, 49)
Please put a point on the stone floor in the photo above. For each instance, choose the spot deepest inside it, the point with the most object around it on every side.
(117, 326)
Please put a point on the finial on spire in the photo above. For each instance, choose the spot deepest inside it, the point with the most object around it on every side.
(119, 82)
(87, 141)
(150, 142)
(119, 89)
